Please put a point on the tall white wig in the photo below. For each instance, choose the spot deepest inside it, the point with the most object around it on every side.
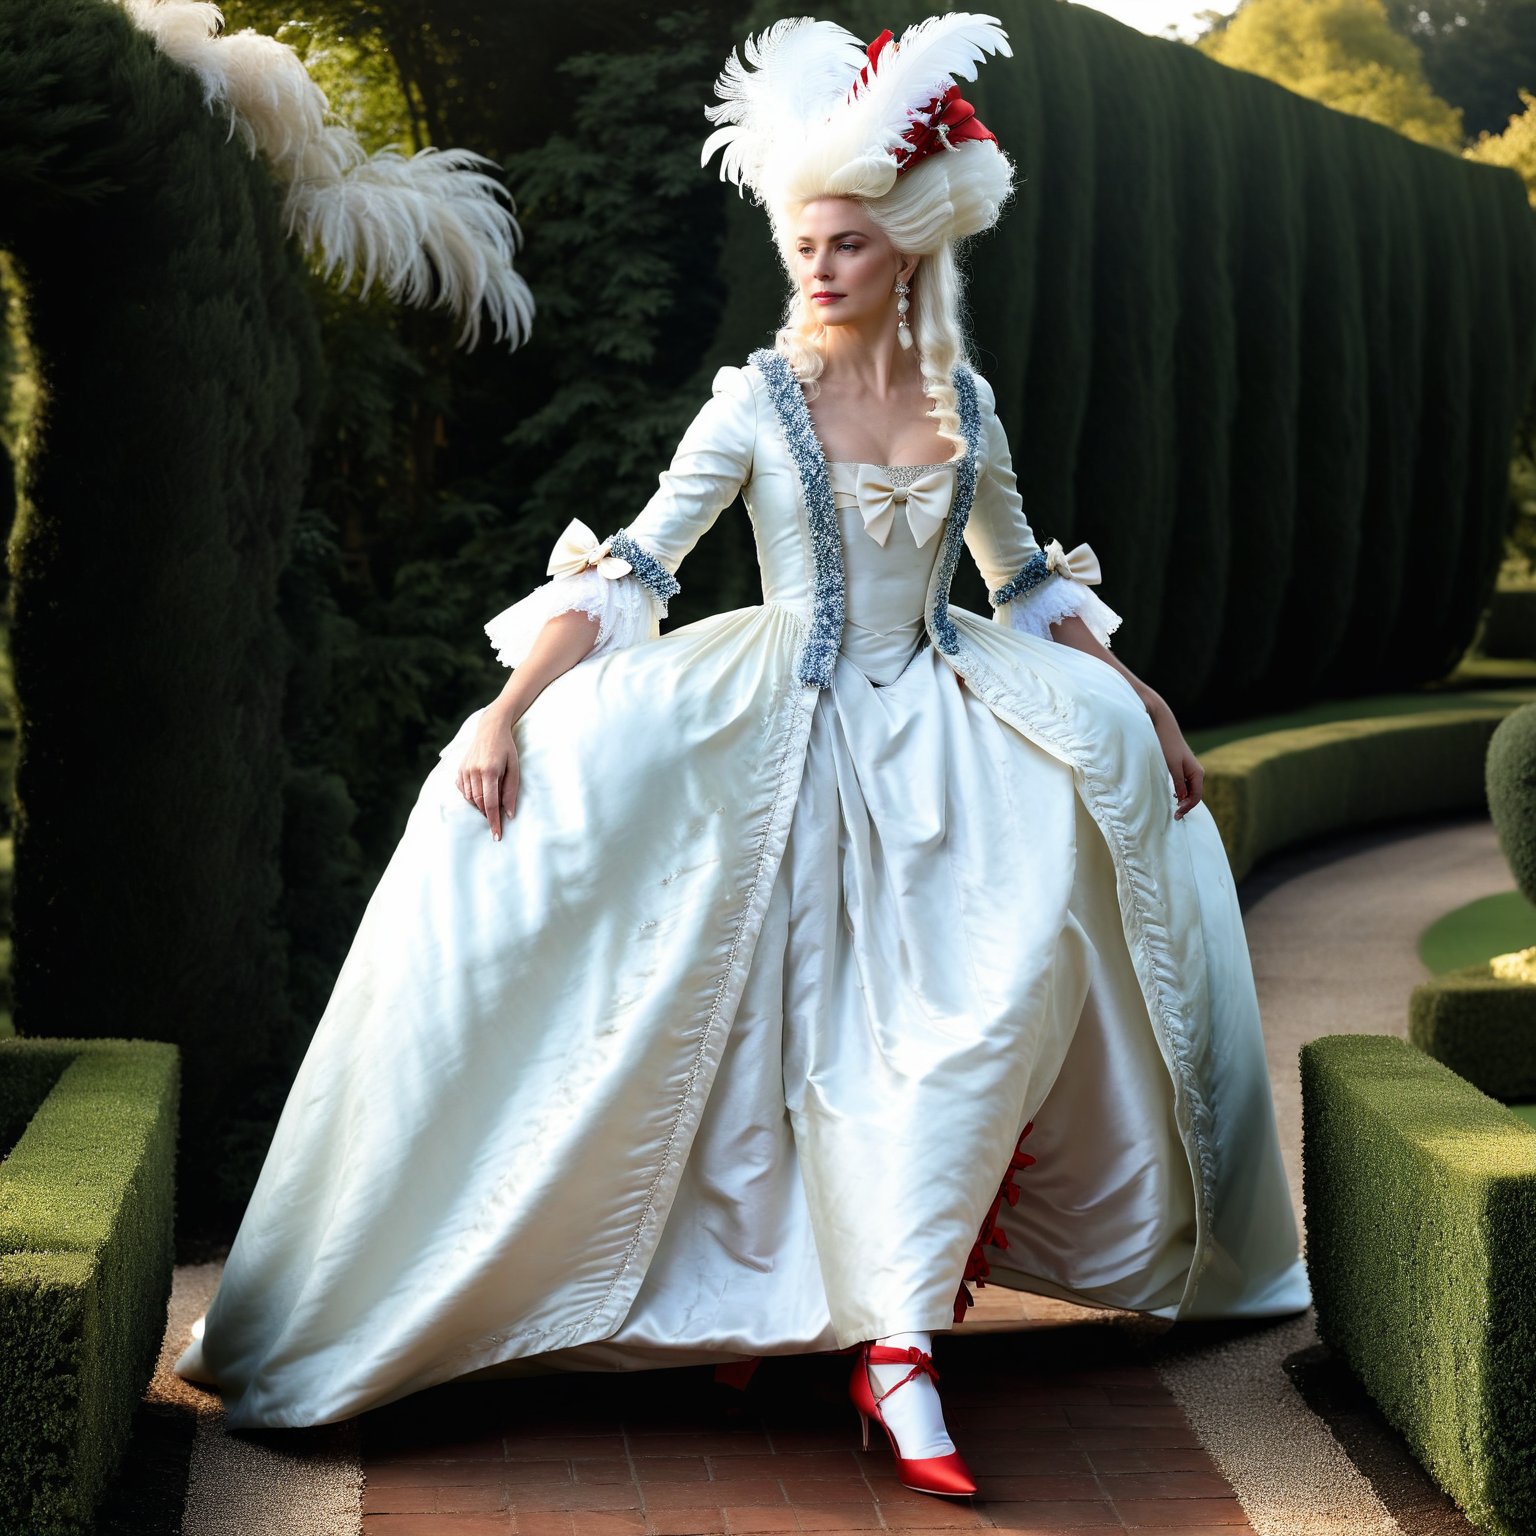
(821, 115)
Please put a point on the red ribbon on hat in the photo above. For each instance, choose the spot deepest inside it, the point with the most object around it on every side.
(951, 110)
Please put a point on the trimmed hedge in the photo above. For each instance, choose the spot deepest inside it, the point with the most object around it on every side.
(1269, 791)
(178, 372)
(87, 1199)
(1480, 1026)
(1420, 1196)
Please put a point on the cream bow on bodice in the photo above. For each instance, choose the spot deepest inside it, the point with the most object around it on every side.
(876, 489)
(886, 574)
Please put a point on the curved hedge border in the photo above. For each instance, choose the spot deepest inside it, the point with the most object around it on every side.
(1420, 1193)
(87, 1200)
(1282, 787)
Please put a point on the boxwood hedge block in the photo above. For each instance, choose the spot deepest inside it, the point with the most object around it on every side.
(1480, 1026)
(86, 1210)
(1420, 1195)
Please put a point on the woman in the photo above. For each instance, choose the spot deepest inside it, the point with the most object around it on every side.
(719, 975)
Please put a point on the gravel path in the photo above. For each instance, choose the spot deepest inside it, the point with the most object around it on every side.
(1333, 930)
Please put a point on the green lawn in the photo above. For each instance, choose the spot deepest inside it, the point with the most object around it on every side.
(1491, 925)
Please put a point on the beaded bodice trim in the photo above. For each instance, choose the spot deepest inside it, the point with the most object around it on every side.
(900, 474)
(818, 653)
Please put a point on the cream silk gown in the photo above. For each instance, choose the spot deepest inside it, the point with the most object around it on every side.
(725, 1048)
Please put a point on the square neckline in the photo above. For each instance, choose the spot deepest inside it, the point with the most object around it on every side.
(830, 464)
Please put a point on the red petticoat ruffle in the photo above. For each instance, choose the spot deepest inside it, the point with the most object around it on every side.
(991, 1234)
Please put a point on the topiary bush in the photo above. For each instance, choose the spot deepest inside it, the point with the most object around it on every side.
(1510, 776)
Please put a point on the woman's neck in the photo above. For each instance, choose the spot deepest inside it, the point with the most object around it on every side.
(872, 369)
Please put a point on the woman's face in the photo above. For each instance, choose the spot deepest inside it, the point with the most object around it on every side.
(838, 250)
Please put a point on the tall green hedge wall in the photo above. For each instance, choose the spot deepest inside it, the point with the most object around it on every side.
(178, 364)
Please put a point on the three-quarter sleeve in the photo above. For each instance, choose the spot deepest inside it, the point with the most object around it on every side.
(627, 580)
(1029, 588)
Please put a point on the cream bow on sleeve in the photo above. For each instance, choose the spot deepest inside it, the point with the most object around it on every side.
(577, 548)
(927, 499)
(1080, 564)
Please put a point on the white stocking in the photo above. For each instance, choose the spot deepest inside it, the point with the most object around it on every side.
(913, 1411)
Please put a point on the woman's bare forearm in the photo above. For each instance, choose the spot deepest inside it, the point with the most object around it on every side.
(563, 641)
(1072, 631)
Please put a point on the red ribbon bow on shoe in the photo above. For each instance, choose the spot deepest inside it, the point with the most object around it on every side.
(889, 1354)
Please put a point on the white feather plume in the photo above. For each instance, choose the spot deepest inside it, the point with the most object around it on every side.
(428, 228)
(914, 69)
(801, 70)
(791, 131)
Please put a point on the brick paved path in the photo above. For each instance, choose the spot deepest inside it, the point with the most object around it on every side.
(1063, 1426)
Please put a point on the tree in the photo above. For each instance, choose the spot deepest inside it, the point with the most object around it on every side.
(1514, 147)
(1477, 54)
(1342, 53)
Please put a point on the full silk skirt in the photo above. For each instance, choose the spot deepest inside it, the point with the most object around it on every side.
(723, 1050)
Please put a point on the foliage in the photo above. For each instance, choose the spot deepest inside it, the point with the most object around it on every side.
(1342, 53)
(618, 287)
(1477, 53)
(1515, 146)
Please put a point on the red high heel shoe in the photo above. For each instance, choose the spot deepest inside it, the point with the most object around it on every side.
(946, 1474)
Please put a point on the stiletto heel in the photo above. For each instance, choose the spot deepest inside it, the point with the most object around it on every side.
(947, 1474)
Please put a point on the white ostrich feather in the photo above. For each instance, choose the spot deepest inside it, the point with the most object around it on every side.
(792, 133)
(428, 228)
(914, 69)
(799, 65)
(417, 226)
(801, 70)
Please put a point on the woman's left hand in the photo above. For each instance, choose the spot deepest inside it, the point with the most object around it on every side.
(1188, 775)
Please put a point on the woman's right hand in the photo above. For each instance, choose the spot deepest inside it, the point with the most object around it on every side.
(488, 776)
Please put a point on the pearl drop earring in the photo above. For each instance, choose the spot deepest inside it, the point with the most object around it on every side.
(903, 304)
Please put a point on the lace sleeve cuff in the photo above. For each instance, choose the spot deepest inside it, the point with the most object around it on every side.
(1051, 585)
(624, 613)
(1057, 597)
(618, 582)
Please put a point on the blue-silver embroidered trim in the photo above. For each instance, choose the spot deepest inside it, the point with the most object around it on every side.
(1031, 574)
(944, 633)
(818, 653)
(662, 583)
